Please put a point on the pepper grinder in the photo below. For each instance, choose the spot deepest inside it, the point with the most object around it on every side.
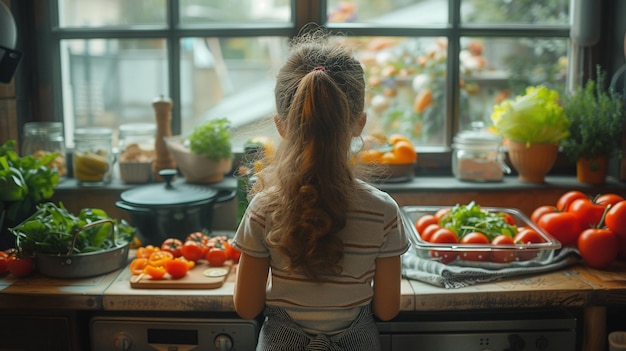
(163, 159)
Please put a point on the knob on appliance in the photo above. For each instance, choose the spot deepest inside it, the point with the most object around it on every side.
(223, 342)
(123, 341)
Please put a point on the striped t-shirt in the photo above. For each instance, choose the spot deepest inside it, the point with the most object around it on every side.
(373, 229)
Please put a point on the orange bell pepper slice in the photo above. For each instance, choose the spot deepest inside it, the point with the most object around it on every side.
(159, 257)
(146, 251)
(137, 265)
(156, 273)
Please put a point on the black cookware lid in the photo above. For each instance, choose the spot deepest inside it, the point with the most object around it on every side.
(170, 193)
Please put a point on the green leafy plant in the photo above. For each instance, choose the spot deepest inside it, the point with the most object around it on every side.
(51, 229)
(597, 116)
(24, 181)
(212, 139)
(536, 117)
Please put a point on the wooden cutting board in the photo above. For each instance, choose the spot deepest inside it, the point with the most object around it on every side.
(200, 277)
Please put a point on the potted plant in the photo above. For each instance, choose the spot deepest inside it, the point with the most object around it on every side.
(532, 124)
(596, 117)
(205, 155)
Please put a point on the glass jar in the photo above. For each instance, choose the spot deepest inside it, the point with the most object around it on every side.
(136, 152)
(41, 138)
(93, 156)
(477, 156)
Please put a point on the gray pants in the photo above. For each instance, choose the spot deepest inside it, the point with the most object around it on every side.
(280, 333)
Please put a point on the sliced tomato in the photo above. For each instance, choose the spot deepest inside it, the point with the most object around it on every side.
(176, 268)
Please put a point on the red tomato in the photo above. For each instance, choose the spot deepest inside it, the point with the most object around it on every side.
(176, 268)
(424, 221)
(198, 237)
(527, 236)
(216, 257)
(231, 252)
(566, 199)
(608, 199)
(173, 245)
(509, 218)
(427, 234)
(444, 236)
(20, 266)
(474, 255)
(587, 212)
(598, 247)
(564, 226)
(540, 211)
(615, 219)
(504, 255)
(3, 262)
(192, 250)
(441, 213)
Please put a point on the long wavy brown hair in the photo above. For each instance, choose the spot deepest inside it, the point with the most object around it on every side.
(310, 182)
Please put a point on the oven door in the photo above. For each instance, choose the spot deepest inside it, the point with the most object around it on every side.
(499, 331)
(180, 334)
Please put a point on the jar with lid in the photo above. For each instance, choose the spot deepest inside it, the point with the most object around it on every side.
(41, 138)
(93, 156)
(477, 156)
(136, 152)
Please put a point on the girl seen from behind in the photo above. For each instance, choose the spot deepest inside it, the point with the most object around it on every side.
(320, 248)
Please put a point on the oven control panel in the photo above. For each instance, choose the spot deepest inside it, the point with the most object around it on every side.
(172, 334)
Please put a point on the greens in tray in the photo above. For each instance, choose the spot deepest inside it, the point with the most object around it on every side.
(51, 229)
(464, 219)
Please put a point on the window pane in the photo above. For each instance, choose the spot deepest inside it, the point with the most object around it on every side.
(102, 13)
(515, 11)
(389, 12)
(406, 86)
(232, 78)
(241, 11)
(493, 69)
(110, 82)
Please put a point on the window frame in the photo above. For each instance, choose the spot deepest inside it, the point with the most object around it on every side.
(436, 160)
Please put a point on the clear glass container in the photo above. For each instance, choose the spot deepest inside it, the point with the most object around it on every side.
(136, 152)
(93, 156)
(41, 138)
(477, 156)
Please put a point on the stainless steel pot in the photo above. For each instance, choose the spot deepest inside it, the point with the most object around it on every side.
(171, 209)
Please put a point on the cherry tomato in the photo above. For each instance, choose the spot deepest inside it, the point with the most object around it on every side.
(198, 237)
(563, 226)
(509, 219)
(598, 247)
(137, 265)
(176, 268)
(172, 245)
(424, 221)
(444, 236)
(588, 213)
(441, 213)
(615, 219)
(608, 199)
(216, 257)
(504, 255)
(528, 236)
(192, 250)
(566, 199)
(540, 211)
(20, 266)
(474, 255)
(428, 232)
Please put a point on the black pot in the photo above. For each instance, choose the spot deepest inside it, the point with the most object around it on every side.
(173, 209)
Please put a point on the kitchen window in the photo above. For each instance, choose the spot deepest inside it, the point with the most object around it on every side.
(433, 66)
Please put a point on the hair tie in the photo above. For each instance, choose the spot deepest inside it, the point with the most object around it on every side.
(319, 68)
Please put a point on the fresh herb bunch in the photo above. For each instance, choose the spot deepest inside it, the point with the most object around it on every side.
(212, 139)
(596, 115)
(464, 219)
(24, 181)
(51, 229)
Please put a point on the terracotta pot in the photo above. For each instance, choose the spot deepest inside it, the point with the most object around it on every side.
(592, 170)
(532, 162)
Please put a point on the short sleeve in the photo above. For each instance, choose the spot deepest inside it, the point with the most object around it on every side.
(396, 242)
(250, 235)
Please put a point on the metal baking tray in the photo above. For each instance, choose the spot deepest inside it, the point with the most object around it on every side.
(523, 254)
